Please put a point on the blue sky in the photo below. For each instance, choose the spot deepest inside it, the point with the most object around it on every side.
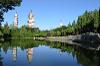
(49, 13)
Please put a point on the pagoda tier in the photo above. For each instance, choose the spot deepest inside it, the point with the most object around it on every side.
(31, 20)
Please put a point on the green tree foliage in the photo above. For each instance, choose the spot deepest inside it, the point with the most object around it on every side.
(69, 30)
(6, 5)
(88, 22)
(99, 21)
(6, 31)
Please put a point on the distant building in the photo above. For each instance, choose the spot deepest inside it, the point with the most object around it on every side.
(31, 20)
(16, 20)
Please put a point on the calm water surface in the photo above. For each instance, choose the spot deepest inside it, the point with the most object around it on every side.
(36, 53)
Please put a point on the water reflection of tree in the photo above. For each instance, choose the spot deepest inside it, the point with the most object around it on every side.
(88, 58)
(23, 44)
(5, 46)
(83, 56)
(1, 63)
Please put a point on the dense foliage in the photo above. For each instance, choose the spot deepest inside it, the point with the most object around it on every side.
(83, 56)
(6, 5)
(88, 22)
(23, 32)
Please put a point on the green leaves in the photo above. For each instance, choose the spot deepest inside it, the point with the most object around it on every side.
(6, 5)
(88, 22)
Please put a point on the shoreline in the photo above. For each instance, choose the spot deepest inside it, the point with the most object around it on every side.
(89, 41)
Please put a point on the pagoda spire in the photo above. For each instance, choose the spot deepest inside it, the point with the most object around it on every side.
(31, 20)
(16, 20)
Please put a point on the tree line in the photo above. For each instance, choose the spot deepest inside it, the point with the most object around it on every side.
(88, 22)
(9, 32)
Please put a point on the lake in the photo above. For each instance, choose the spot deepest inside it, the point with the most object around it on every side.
(28, 52)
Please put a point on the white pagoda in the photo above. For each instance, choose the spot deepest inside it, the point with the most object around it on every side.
(31, 20)
(16, 20)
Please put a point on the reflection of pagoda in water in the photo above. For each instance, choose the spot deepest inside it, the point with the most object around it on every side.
(14, 53)
(29, 54)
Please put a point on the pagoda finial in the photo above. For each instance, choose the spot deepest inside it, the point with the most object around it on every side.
(16, 14)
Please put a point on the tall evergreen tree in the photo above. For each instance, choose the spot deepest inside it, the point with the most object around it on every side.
(99, 21)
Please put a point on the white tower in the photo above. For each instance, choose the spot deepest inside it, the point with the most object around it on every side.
(31, 20)
(16, 20)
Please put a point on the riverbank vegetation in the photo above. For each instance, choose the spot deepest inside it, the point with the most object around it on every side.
(88, 22)
(23, 32)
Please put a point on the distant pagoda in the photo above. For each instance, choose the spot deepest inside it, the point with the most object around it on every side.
(16, 20)
(31, 20)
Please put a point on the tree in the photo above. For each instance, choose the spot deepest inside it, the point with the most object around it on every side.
(73, 27)
(6, 5)
(99, 21)
(96, 19)
(6, 29)
(23, 31)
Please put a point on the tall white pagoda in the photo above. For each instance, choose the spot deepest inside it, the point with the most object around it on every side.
(31, 20)
(16, 20)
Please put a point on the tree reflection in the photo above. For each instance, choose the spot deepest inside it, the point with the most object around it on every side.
(83, 56)
(88, 58)
(1, 63)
